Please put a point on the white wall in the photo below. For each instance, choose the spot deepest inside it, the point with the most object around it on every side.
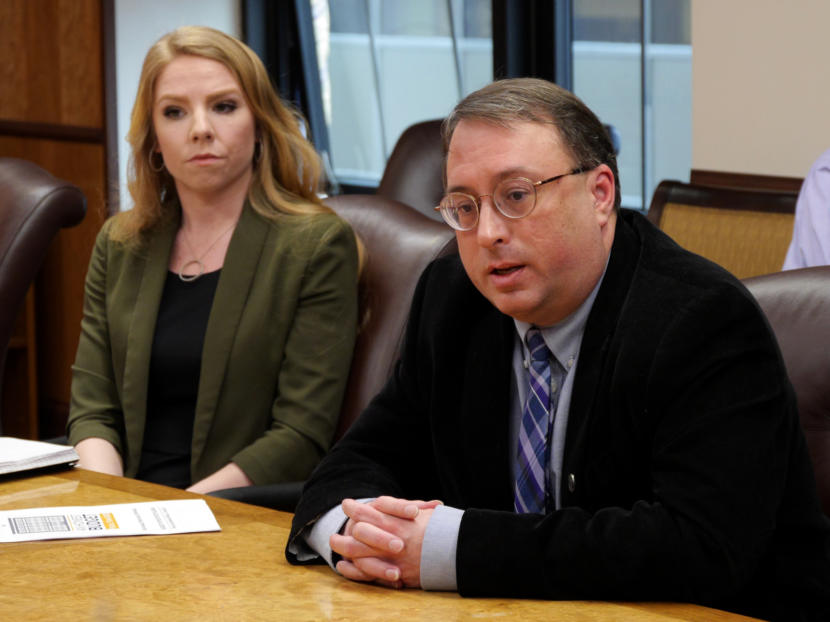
(761, 85)
(139, 24)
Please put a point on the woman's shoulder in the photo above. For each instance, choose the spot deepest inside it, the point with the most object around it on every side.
(128, 227)
(309, 228)
(107, 231)
(118, 238)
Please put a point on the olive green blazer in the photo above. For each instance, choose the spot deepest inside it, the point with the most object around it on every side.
(276, 353)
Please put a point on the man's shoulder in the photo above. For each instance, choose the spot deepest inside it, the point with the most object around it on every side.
(446, 279)
(667, 279)
(664, 262)
(448, 269)
(446, 302)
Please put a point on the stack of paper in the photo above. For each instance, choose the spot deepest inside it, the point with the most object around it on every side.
(18, 454)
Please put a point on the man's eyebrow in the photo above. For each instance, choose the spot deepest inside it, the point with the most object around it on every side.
(510, 173)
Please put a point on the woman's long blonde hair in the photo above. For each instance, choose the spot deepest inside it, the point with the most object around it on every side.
(286, 171)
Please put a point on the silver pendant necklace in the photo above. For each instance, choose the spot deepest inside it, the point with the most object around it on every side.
(187, 278)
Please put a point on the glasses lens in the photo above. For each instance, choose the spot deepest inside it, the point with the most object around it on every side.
(459, 210)
(515, 197)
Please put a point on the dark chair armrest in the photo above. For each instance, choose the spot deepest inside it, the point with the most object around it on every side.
(283, 496)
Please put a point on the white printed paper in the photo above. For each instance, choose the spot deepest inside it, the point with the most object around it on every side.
(96, 521)
(20, 454)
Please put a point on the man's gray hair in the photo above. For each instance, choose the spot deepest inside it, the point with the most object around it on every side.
(530, 99)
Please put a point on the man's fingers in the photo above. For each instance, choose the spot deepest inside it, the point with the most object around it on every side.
(349, 547)
(379, 569)
(402, 508)
(347, 528)
(377, 538)
(365, 512)
(352, 571)
(362, 511)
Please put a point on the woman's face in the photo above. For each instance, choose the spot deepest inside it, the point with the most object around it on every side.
(205, 129)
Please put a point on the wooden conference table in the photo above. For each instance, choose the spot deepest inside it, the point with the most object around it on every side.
(239, 573)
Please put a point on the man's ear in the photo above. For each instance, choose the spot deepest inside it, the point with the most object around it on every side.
(604, 192)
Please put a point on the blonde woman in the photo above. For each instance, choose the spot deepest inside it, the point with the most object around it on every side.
(220, 312)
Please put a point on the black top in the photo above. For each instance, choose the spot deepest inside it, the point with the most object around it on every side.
(173, 382)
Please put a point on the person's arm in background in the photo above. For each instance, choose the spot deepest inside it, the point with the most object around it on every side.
(313, 371)
(97, 454)
(229, 476)
(95, 415)
(810, 245)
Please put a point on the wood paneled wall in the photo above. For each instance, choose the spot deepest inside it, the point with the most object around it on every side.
(57, 69)
(56, 60)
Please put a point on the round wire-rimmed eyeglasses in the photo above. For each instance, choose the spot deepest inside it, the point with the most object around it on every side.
(514, 198)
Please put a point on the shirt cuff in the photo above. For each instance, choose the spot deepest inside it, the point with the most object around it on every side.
(313, 541)
(438, 571)
(328, 524)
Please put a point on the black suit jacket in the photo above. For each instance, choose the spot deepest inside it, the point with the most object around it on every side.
(685, 474)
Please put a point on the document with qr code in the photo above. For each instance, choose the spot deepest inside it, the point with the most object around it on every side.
(96, 521)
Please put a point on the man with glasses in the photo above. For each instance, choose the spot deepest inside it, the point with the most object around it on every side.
(603, 414)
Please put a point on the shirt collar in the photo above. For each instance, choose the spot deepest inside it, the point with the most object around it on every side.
(564, 338)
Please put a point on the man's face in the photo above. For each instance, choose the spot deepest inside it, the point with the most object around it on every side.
(539, 268)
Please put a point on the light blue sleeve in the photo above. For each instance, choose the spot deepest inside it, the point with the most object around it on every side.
(810, 245)
(438, 549)
(314, 541)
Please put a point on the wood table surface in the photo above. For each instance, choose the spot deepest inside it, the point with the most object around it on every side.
(239, 573)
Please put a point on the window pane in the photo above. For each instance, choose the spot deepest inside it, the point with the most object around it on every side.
(348, 16)
(478, 21)
(425, 18)
(615, 21)
(607, 75)
(619, 21)
(671, 22)
(382, 74)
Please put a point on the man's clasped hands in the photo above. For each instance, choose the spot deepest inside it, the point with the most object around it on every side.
(381, 541)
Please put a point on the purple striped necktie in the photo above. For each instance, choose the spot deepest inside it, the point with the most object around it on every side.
(532, 482)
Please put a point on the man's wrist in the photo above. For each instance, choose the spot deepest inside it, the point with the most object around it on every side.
(317, 536)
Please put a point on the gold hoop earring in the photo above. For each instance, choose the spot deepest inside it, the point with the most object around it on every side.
(153, 168)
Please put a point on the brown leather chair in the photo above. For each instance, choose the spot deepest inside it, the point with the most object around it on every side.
(797, 305)
(414, 173)
(399, 243)
(34, 206)
(745, 231)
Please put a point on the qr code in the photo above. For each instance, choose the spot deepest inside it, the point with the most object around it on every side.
(86, 522)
